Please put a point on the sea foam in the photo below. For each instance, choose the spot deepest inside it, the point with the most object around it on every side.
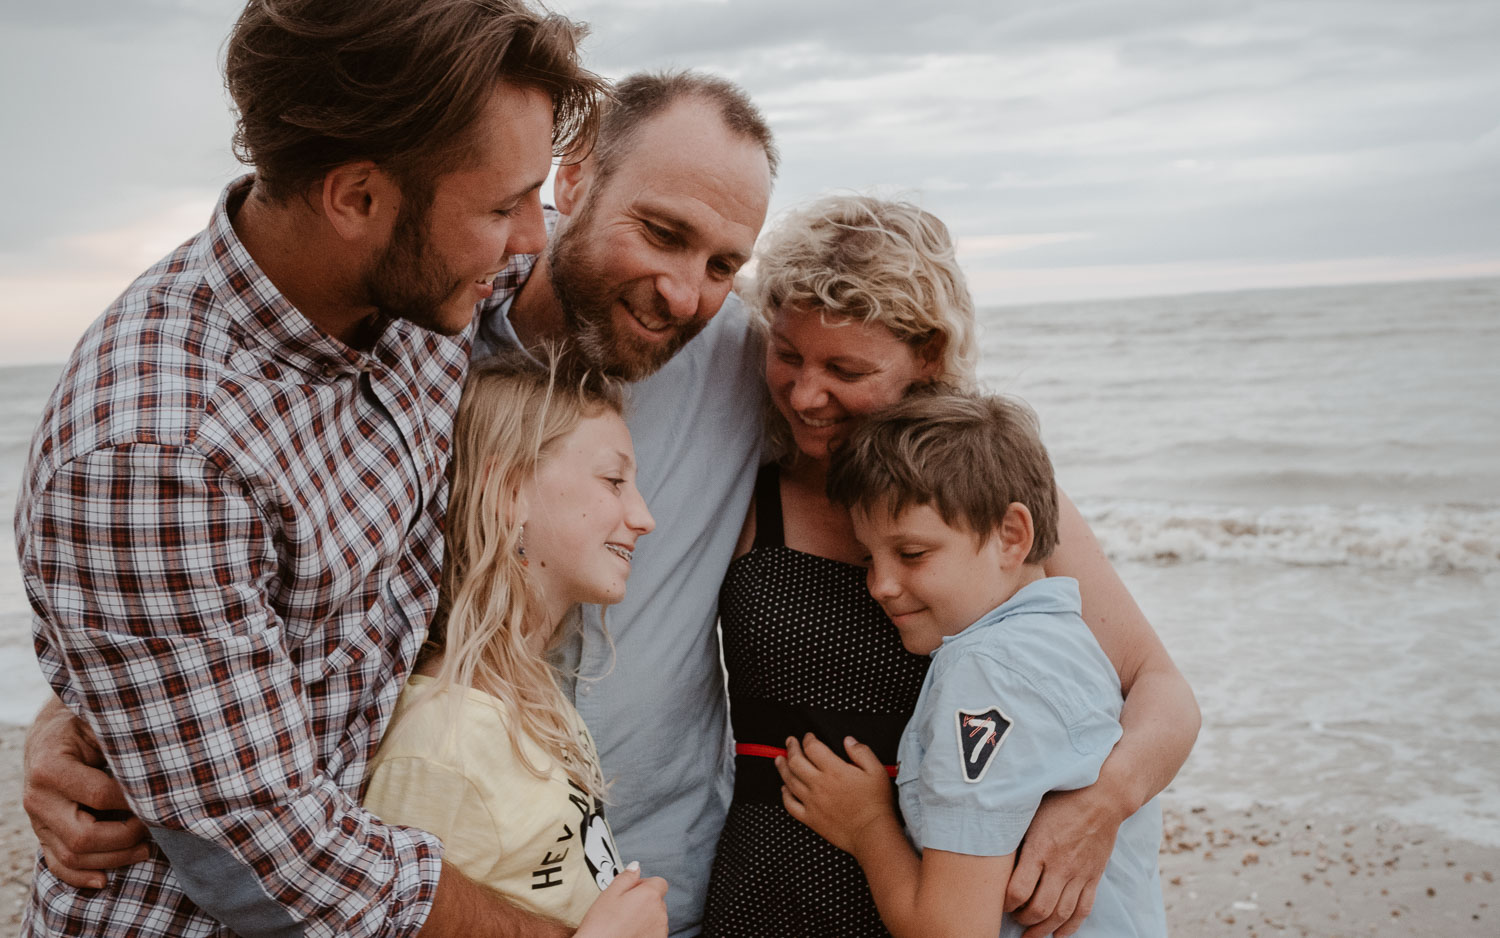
(1439, 539)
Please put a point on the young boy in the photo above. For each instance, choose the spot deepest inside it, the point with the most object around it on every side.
(953, 497)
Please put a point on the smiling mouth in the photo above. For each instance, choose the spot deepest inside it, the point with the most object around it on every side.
(817, 424)
(619, 550)
(647, 321)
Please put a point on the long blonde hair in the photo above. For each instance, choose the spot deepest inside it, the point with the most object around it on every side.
(512, 414)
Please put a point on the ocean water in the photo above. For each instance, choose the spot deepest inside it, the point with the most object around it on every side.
(23, 395)
(1301, 488)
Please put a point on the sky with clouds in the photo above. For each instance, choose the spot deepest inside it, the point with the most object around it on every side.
(1077, 148)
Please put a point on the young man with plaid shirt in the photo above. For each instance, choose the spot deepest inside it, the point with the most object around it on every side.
(230, 525)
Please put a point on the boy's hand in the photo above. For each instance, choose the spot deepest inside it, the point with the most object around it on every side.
(837, 799)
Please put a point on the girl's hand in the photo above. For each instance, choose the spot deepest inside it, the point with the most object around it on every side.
(839, 800)
(632, 907)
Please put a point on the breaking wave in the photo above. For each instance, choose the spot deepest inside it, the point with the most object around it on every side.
(1440, 539)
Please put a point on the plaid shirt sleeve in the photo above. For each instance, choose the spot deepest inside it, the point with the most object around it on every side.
(149, 568)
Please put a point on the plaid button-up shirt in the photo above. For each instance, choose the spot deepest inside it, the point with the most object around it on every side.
(230, 534)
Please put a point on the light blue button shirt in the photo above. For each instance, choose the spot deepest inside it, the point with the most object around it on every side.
(655, 702)
(1034, 661)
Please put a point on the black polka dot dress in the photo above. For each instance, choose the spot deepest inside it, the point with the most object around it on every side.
(807, 650)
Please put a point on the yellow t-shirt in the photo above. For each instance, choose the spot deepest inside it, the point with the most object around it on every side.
(541, 841)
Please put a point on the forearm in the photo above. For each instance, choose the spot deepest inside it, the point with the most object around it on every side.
(1160, 721)
(893, 869)
(199, 706)
(1160, 718)
(53, 709)
(234, 796)
(940, 894)
(462, 907)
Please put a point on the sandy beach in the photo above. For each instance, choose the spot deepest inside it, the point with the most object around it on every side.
(1264, 872)
(1253, 872)
(17, 846)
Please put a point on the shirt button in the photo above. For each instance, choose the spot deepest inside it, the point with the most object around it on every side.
(586, 689)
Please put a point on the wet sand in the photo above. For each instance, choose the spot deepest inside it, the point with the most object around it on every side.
(1257, 872)
(17, 845)
(1262, 872)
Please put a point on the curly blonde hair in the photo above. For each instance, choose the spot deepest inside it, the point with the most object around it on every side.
(512, 415)
(880, 261)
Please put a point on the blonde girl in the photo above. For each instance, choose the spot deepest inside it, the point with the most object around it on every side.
(484, 749)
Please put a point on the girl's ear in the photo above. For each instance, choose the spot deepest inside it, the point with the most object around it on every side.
(518, 512)
(1016, 534)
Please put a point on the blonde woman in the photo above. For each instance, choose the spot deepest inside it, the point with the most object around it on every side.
(484, 749)
(861, 300)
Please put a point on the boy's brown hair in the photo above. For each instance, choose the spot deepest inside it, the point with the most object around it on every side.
(969, 456)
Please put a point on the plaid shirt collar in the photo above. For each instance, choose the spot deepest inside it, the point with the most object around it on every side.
(263, 315)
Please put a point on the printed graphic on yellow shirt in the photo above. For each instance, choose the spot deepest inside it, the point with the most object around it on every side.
(591, 836)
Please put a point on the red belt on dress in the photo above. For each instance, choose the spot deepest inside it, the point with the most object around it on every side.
(771, 752)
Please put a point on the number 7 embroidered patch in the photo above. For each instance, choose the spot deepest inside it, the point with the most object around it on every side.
(980, 733)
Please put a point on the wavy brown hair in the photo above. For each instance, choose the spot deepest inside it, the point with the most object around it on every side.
(969, 456)
(321, 83)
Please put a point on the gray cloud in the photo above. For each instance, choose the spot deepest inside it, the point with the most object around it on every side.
(120, 18)
(103, 121)
(1168, 131)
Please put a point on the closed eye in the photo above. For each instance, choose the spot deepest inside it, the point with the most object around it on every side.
(660, 233)
(846, 374)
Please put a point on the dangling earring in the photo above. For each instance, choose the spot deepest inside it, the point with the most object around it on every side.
(521, 547)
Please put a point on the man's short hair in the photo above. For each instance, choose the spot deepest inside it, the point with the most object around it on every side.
(968, 456)
(319, 84)
(639, 97)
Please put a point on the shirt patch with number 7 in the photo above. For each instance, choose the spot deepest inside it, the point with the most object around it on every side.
(980, 733)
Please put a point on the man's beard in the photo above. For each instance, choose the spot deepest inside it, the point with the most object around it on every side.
(587, 305)
(409, 281)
